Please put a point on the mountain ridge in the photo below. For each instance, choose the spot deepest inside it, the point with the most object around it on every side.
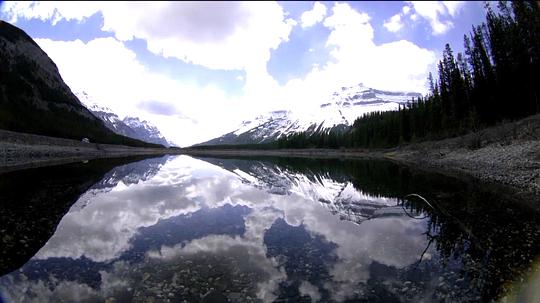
(131, 127)
(342, 109)
(34, 98)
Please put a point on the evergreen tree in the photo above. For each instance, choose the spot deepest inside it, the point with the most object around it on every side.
(497, 78)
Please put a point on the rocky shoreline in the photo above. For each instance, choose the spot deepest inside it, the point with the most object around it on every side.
(507, 155)
(20, 150)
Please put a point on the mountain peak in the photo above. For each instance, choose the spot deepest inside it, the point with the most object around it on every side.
(342, 108)
(89, 103)
(131, 127)
(45, 104)
(95, 107)
(136, 122)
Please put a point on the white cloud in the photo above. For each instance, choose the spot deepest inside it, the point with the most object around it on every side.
(434, 11)
(314, 16)
(217, 35)
(453, 7)
(405, 10)
(50, 10)
(355, 58)
(228, 35)
(111, 74)
(394, 24)
(202, 33)
(437, 13)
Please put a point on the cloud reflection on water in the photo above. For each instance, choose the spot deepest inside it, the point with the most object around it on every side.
(109, 223)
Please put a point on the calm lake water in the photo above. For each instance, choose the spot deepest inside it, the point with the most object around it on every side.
(175, 229)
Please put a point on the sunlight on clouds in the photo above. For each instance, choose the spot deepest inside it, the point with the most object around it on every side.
(314, 16)
(405, 10)
(103, 67)
(243, 32)
(232, 35)
(433, 11)
(226, 36)
(453, 7)
(355, 58)
(358, 59)
(394, 24)
(345, 18)
(49, 10)
(110, 73)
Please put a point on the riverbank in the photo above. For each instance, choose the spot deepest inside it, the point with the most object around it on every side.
(20, 150)
(507, 155)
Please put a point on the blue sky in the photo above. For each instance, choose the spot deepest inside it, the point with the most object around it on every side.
(189, 66)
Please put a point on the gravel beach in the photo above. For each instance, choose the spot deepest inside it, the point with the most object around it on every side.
(506, 155)
(20, 150)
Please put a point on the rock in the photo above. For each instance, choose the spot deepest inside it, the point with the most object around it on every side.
(214, 297)
(234, 296)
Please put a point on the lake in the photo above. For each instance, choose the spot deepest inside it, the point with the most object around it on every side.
(184, 229)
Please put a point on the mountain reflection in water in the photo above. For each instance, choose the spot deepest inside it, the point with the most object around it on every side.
(288, 230)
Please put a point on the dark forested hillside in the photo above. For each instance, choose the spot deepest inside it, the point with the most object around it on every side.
(35, 99)
(496, 79)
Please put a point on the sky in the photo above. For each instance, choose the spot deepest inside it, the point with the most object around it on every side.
(196, 70)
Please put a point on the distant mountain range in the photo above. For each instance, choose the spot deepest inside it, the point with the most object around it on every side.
(342, 108)
(35, 99)
(129, 126)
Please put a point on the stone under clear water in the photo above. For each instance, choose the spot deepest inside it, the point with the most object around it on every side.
(181, 229)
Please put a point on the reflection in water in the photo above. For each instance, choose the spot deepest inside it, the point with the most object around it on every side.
(296, 230)
(34, 200)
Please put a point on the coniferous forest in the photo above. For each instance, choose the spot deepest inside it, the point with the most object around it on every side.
(495, 79)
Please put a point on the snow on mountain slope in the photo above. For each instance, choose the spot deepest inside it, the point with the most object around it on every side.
(144, 130)
(111, 120)
(35, 99)
(343, 107)
(130, 126)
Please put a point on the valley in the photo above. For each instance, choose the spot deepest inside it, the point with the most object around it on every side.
(269, 151)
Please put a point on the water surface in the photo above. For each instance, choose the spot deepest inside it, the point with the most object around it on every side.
(171, 229)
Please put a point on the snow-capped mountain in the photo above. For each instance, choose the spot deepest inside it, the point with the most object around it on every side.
(145, 131)
(342, 108)
(335, 192)
(130, 126)
(34, 97)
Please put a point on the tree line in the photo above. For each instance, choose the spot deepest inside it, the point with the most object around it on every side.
(495, 79)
